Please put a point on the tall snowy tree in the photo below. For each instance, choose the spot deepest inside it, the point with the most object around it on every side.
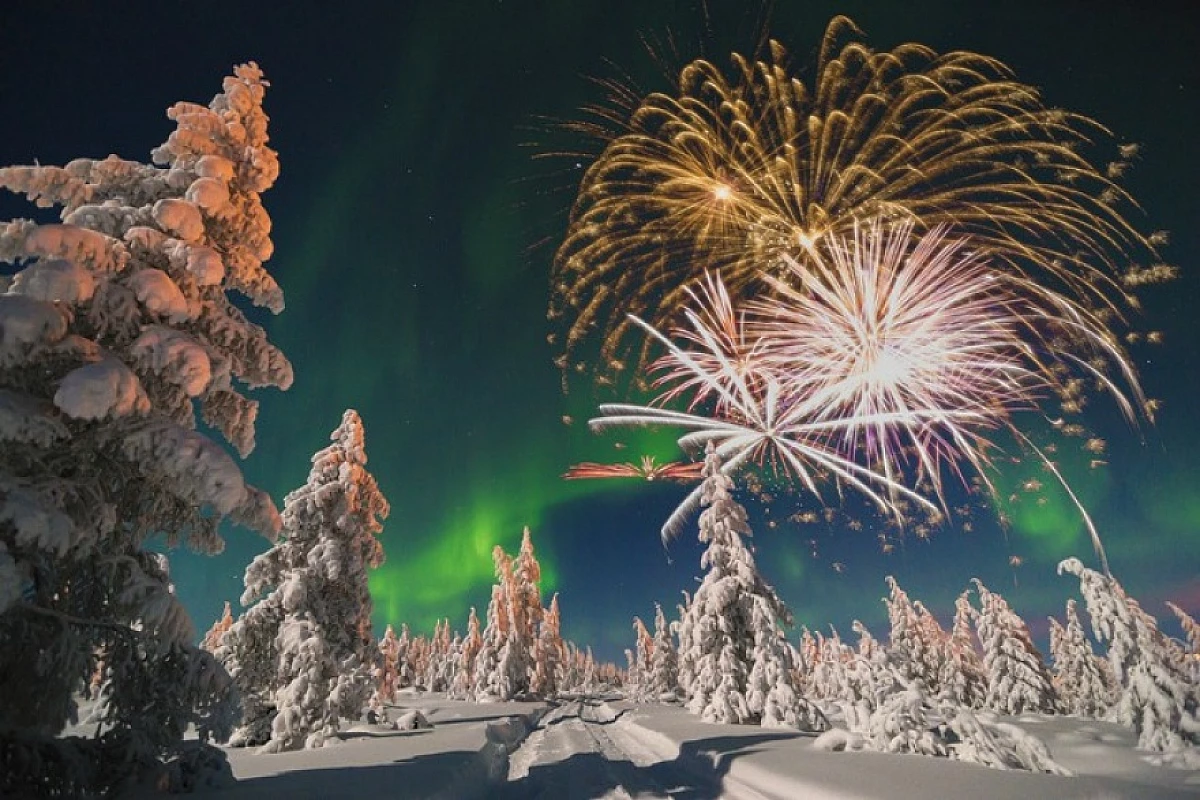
(495, 634)
(548, 660)
(963, 679)
(463, 685)
(387, 671)
(304, 655)
(1018, 680)
(664, 663)
(733, 660)
(1077, 675)
(1155, 696)
(638, 675)
(915, 644)
(116, 329)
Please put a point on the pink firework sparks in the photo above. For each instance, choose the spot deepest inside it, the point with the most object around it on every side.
(647, 469)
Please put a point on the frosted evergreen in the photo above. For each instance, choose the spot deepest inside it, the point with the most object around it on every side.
(303, 655)
(734, 663)
(118, 335)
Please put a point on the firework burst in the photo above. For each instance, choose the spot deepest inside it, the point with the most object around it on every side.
(736, 169)
(754, 417)
(889, 324)
(886, 360)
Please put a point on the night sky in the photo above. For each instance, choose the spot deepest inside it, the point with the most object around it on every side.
(414, 230)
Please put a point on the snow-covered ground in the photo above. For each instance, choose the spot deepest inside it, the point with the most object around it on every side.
(590, 748)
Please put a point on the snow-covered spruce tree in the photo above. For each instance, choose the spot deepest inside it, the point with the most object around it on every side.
(637, 676)
(438, 669)
(495, 633)
(387, 672)
(115, 330)
(963, 679)
(405, 678)
(588, 681)
(735, 663)
(1155, 696)
(304, 655)
(664, 663)
(1018, 680)
(463, 685)
(1077, 676)
(548, 659)
(212, 639)
(915, 644)
(505, 664)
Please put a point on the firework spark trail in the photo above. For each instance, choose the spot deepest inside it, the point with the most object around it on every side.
(735, 170)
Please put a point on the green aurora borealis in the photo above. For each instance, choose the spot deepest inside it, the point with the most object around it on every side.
(414, 231)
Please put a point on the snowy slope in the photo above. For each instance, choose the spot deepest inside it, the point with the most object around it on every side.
(616, 749)
(753, 762)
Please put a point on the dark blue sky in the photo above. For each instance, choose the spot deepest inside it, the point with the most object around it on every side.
(414, 232)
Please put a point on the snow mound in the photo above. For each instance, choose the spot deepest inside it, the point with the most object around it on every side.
(412, 721)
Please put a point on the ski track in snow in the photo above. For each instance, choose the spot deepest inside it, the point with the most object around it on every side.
(583, 749)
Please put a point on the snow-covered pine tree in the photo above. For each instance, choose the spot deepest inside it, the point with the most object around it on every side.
(637, 676)
(548, 659)
(570, 676)
(212, 639)
(963, 679)
(1155, 696)
(115, 330)
(463, 685)
(914, 645)
(664, 663)
(387, 672)
(1018, 680)
(495, 633)
(1077, 676)
(866, 677)
(406, 676)
(451, 645)
(515, 655)
(304, 654)
(437, 670)
(736, 665)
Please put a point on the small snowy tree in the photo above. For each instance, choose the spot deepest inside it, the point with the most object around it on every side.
(387, 673)
(463, 685)
(115, 331)
(916, 642)
(733, 660)
(495, 633)
(1077, 675)
(963, 679)
(1155, 696)
(637, 678)
(549, 656)
(305, 654)
(1018, 680)
(664, 663)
